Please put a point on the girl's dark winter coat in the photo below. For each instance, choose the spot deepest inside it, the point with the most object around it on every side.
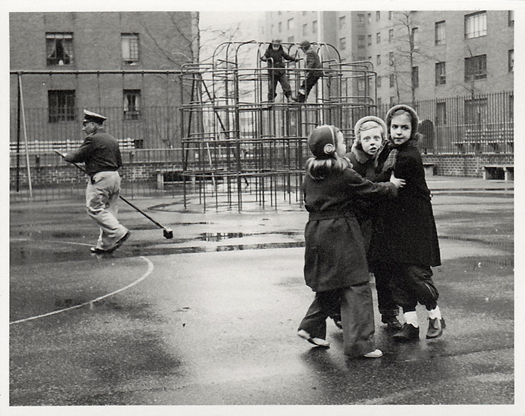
(408, 230)
(334, 248)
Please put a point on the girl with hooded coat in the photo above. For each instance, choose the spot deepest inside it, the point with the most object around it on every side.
(335, 259)
(369, 139)
(406, 246)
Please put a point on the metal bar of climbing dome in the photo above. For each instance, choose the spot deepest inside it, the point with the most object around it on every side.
(260, 145)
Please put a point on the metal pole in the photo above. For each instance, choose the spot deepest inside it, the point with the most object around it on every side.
(25, 136)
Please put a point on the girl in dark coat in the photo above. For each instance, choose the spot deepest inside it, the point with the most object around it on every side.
(370, 138)
(406, 247)
(335, 259)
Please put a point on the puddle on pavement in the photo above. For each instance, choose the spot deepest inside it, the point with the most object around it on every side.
(215, 237)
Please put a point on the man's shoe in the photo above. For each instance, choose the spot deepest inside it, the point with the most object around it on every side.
(119, 242)
(391, 322)
(435, 327)
(318, 342)
(96, 250)
(408, 333)
(374, 354)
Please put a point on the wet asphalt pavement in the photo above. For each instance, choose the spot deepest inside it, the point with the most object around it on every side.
(210, 317)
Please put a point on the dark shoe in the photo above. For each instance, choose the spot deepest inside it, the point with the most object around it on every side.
(435, 327)
(119, 242)
(391, 322)
(95, 250)
(408, 333)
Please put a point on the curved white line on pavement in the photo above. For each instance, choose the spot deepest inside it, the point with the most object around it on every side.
(148, 272)
(73, 243)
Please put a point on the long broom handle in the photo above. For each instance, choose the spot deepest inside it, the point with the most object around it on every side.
(120, 196)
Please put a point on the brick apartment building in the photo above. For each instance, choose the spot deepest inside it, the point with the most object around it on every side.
(105, 61)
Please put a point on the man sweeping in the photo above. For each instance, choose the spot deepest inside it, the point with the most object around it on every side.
(101, 154)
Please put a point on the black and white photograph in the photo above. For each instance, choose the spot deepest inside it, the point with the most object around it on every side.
(233, 208)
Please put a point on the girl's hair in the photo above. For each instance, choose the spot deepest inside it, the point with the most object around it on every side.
(318, 168)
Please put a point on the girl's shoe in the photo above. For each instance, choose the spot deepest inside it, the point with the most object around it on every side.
(435, 327)
(374, 354)
(408, 333)
(318, 342)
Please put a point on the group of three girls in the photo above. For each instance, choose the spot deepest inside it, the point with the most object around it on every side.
(369, 211)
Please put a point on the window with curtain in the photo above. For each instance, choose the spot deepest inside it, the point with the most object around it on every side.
(131, 104)
(59, 48)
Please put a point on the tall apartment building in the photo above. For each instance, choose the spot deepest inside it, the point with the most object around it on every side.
(103, 61)
(417, 55)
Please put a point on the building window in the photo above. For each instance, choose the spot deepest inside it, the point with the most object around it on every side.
(511, 17)
(342, 22)
(378, 60)
(511, 60)
(369, 17)
(130, 48)
(392, 81)
(378, 81)
(441, 110)
(314, 26)
(475, 111)
(305, 29)
(378, 37)
(131, 104)
(390, 35)
(378, 16)
(415, 38)
(476, 67)
(280, 27)
(361, 18)
(342, 44)
(61, 105)
(391, 58)
(390, 15)
(59, 48)
(441, 75)
(440, 33)
(360, 41)
(369, 37)
(475, 25)
(415, 76)
(290, 24)
(392, 101)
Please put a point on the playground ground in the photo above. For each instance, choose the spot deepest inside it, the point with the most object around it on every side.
(208, 319)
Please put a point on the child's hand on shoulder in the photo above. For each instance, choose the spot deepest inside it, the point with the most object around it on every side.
(398, 183)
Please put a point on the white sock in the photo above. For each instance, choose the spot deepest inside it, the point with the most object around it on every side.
(434, 313)
(411, 318)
